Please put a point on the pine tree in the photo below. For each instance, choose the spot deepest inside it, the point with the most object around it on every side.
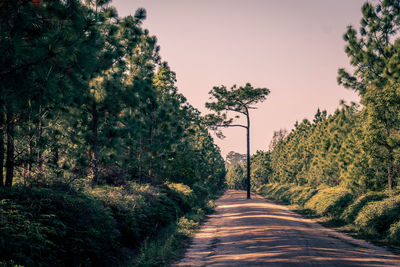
(374, 54)
(240, 101)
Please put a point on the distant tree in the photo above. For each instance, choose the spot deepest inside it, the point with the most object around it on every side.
(235, 158)
(239, 100)
(277, 137)
(261, 169)
(319, 116)
(235, 177)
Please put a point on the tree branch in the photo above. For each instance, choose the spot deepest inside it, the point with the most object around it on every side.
(230, 125)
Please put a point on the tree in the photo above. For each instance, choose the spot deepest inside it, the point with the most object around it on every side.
(374, 55)
(43, 56)
(261, 170)
(276, 138)
(239, 100)
(235, 177)
(235, 158)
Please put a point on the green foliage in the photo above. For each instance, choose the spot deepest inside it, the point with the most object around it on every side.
(394, 233)
(167, 244)
(288, 193)
(233, 158)
(330, 201)
(351, 212)
(261, 170)
(373, 52)
(107, 150)
(236, 99)
(304, 194)
(356, 147)
(376, 217)
(235, 177)
(259, 174)
(274, 191)
(313, 154)
(41, 226)
(185, 193)
(47, 226)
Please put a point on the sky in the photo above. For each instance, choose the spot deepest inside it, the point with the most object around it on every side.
(292, 47)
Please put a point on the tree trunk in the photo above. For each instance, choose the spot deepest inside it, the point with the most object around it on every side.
(55, 150)
(30, 147)
(390, 178)
(150, 172)
(248, 156)
(2, 125)
(140, 159)
(10, 152)
(39, 140)
(95, 148)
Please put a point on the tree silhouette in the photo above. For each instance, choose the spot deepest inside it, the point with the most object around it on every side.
(239, 100)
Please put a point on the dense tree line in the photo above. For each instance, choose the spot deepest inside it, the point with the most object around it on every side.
(99, 152)
(358, 146)
(85, 97)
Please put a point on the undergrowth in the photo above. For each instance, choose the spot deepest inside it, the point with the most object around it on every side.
(100, 226)
(171, 242)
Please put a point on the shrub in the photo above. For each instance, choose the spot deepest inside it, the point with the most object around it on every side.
(201, 191)
(278, 192)
(329, 201)
(140, 211)
(394, 233)
(353, 209)
(376, 217)
(266, 189)
(291, 194)
(186, 198)
(43, 226)
(304, 195)
(282, 192)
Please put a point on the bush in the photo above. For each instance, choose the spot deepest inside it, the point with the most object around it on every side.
(376, 217)
(330, 201)
(140, 211)
(265, 189)
(296, 194)
(353, 209)
(281, 192)
(304, 195)
(278, 192)
(186, 198)
(63, 227)
(394, 233)
(43, 226)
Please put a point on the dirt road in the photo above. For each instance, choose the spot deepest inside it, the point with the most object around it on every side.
(258, 232)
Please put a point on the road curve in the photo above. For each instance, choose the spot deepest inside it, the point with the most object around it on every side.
(258, 232)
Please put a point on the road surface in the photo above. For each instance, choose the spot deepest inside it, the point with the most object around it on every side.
(258, 232)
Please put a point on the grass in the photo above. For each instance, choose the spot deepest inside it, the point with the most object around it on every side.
(173, 240)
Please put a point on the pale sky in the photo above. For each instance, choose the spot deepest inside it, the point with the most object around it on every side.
(292, 47)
